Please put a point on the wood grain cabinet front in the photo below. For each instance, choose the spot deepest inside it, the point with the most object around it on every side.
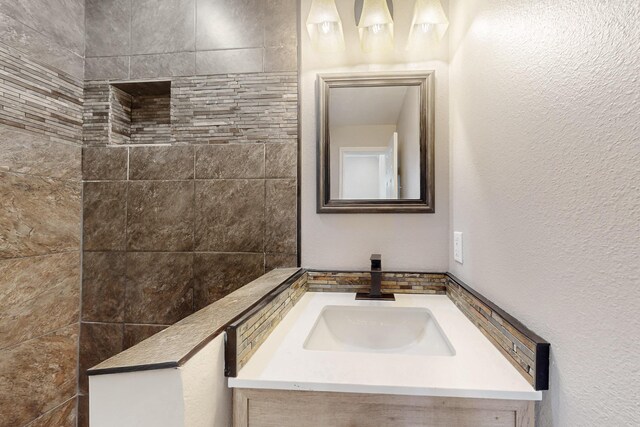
(284, 408)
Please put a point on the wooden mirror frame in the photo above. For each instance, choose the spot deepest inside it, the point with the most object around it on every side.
(426, 203)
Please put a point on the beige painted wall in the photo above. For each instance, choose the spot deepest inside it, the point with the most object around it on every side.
(545, 186)
(407, 241)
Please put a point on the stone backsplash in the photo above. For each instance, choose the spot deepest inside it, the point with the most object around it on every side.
(254, 330)
(521, 347)
(403, 283)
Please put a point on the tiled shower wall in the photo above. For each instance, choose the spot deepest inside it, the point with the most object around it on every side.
(194, 194)
(41, 68)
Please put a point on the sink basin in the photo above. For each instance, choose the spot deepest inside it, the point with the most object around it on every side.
(402, 330)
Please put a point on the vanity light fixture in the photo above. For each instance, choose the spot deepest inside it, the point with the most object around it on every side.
(325, 26)
(376, 26)
(429, 24)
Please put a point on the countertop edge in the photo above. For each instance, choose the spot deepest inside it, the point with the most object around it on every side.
(384, 389)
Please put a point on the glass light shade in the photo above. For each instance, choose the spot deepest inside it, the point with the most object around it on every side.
(429, 24)
(325, 26)
(376, 26)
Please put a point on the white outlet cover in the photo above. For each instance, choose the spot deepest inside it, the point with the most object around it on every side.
(457, 246)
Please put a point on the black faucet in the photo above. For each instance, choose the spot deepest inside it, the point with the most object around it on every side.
(375, 293)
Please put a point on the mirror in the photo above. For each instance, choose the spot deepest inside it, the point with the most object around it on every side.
(375, 143)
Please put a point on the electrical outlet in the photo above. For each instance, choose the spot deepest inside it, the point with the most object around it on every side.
(457, 246)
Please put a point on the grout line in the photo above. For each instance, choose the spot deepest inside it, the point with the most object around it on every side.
(40, 255)
(53, 331)
(126, 244)
(51, 178)
(130, 32)
(195, 30)
(299, 134)
(176, 52)
(186, 252)
(264, 219)
(75, 396)
(81, 284)
(189, 180)
(193, 237)
(139, 324)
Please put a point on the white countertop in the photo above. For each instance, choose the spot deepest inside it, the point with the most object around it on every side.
(478, 369)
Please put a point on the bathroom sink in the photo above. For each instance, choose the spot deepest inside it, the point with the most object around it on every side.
(402, 330)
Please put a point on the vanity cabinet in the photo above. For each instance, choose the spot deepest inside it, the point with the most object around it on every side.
(286, 408)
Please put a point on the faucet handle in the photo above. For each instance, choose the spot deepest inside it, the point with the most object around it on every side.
(376, 261)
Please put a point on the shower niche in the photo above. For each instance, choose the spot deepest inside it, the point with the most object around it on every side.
(140, 112)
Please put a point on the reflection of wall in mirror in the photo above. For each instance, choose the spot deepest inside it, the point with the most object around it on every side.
(355, 136)
(409, 145)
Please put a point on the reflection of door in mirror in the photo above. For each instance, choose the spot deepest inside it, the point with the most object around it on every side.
(375, 143)
(391, 168)
(369, 172)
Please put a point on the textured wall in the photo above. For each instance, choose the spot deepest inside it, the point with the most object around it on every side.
(40, 202)
(412, 242)
(545, 153)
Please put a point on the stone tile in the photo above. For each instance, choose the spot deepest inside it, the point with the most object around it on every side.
(230, 161)
(283, 58)
(104, 163)
(159, 287)
(62, 416)
(281, 216)
(151, 119)
(281, 23)
(281, 160)
(134, 334)
(38, 375)
(60, 20)
(103, 286)
(39, 47)
(98, 342)
(31, 154)
(108, 68)
(160, 26)
(38, 295)
(230, 215)
(105, 211)
(40, 99)
(219, 274)
(38, 216)
(161, 163)
(230, 24)
(160, 216)
(163, 65)
(119, 120)
(272, 261)
(229, 61)
(108, 27)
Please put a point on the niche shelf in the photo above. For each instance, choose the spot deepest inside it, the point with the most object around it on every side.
(140, 112)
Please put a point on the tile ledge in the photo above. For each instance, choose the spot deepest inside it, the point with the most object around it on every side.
(172, 347)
